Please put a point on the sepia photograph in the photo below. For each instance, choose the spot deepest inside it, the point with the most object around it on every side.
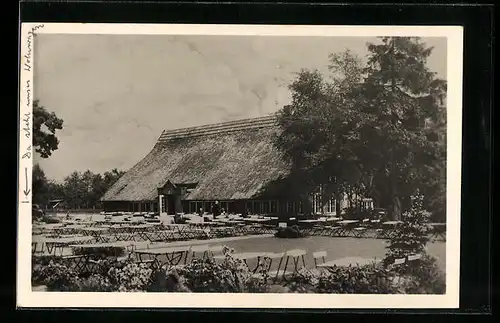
(244, 164)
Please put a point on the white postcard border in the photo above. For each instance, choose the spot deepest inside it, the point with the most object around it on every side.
(27, 298)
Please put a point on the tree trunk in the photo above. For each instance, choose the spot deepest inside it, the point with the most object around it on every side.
(396, 209)
(338, 198)
(395, 202)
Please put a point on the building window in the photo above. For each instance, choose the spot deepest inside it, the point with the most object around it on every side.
(266, 207)
(317, 209)
(224, 205)
(330, 206)
(207, 206)
(164, 204)
(230, 207)
(257, 207)
(198, 206)
(300, 208)
(249, 207)
(273, 206)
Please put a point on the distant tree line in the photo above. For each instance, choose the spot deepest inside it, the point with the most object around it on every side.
(79, 190)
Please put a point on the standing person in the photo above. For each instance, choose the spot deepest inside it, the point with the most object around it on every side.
(216, 209)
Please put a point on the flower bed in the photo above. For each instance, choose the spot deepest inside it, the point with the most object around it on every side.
(233, 276)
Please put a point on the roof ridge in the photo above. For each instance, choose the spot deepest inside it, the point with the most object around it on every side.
(218, 128)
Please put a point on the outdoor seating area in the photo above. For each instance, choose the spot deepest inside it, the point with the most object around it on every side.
(367, 228)
(81, 244)
(58, 238)
(278, 266)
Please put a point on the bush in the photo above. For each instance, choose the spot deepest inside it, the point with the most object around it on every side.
(289, 232)
(411, 236)
(425, 277)
(41, 268)
(52, 272)
(58, 277)
(369, 279)
(132, 277)
(95, 283)
(230, 276)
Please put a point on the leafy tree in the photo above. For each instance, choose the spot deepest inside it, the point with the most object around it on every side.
(84, 190)
(111, 177)
(364, 129)
(320, 134)
(45, 125)
(44, 190)
(39, 185)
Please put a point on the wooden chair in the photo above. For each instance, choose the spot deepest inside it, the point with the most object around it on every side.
(197, 249)
(397, 262)
(270, 257)
(332, 231)
(215, 250)
(297, 256)
(414, 257)
(360, 232)
(319, 255)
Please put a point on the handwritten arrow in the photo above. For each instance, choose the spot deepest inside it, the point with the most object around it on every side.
(26, 190)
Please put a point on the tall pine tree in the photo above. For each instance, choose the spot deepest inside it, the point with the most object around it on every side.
(403, 95)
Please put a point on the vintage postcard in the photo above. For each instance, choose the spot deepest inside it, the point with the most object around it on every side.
(239, 166)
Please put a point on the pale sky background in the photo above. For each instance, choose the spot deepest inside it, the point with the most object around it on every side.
(116, 93)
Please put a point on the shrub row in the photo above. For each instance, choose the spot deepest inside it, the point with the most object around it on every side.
(233, 276)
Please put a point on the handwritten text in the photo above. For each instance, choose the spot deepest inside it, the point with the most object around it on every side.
(26, 125)
(27, 154)
(27, 57)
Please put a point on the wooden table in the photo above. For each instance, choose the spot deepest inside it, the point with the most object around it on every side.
(311, 221)
(297, 256)
(256, 220)
(53, 243)
(116, 244)
(389, 229)
(96, 233)
(187, 232)
(70, 229)
(174, 255)
(346, 227)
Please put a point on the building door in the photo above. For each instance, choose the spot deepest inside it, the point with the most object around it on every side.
(170, 204)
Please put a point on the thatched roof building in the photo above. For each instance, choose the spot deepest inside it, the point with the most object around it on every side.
(231, 161)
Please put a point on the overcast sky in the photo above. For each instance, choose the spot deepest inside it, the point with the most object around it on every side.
(116, 93)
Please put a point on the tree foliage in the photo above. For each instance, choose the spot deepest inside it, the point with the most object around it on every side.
(364, 127)
(78, 190)
(45, 125)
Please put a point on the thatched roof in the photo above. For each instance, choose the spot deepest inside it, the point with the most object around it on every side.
(232, 160)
